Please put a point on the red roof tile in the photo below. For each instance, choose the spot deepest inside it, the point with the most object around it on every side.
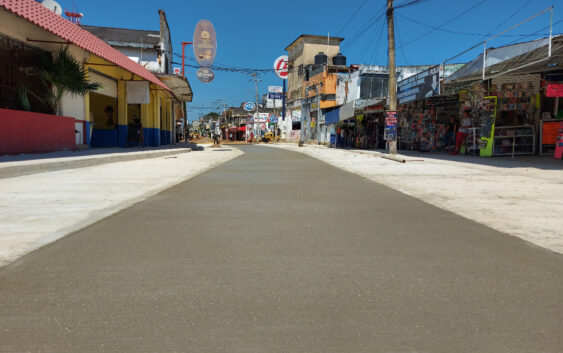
(39, 15)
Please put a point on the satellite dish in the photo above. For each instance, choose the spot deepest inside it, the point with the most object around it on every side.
(53, 6)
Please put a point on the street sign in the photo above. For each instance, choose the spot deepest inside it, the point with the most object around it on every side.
(390, 133)
(422, 85)
(205, 43)
(275, 89)
(205, 74)
(272, 119)
(273, 95)
(249, 106)
(280, 67)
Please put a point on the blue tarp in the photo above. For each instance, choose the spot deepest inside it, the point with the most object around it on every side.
(332, 117)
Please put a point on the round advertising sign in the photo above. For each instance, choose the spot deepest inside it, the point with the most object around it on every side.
(280, 67)
(249, 106)
(205, 74)
(205, 43)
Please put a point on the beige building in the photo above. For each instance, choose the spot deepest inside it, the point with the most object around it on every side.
(302, 53)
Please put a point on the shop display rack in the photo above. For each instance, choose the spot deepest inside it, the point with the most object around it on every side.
(521, 139)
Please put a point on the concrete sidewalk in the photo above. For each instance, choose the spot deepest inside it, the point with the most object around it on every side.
(42, 207)
(23, 164)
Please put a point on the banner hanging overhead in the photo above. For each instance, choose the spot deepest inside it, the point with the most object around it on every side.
(205, 43)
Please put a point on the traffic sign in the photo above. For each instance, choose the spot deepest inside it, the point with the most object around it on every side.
(249, 106)
(280, 67)
(273, 95)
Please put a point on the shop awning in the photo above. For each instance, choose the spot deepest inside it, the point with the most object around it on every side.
(347, 111)
(178, 85)
(528, 56)
(332, 116)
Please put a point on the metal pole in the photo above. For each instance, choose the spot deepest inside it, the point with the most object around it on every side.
(392, 87)
(550, 31)
(184, 56)
(484, 58)
(257, 119)
(283, 100)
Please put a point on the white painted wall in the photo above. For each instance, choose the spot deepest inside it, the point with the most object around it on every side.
(73, 106)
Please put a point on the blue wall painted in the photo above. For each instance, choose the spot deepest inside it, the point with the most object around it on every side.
(88, 124)
(122, 135)
(151, 136)
(165, 137)
(104, 138)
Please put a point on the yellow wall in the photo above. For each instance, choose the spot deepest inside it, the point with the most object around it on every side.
(149, 114)
(98, 104)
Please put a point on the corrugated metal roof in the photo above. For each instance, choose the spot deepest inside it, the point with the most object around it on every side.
(39, 15)
(125, 36)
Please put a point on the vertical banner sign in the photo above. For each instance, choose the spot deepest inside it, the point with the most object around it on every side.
(390, 125)
(205, 49)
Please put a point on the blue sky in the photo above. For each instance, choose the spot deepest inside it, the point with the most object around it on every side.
(253, 33)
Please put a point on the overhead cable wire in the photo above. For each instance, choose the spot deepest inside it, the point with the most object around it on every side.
(507, 19)
(352, 17)
(364, 28)
(457, 32)
(400, 42)
(447, 22)
(412, 2)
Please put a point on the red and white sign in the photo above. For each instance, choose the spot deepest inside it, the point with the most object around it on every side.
(280, 67)
(177, 70)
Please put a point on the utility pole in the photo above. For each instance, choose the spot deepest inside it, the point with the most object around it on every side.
(392, 88)
(257, 119)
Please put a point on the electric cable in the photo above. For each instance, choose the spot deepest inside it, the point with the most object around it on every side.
(352, 17)
(506, 20)
(400, 42)
(447, 22)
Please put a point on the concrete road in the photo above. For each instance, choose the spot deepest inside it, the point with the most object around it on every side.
(277, 252)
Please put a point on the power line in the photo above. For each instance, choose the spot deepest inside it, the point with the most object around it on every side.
(412, 2)
(364, 29)
(447, 22)
(400, 42)
(352, 17)
(506, 20)
(458, 32)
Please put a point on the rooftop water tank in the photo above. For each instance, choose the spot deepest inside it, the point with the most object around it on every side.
(339, 60)
(321, 59)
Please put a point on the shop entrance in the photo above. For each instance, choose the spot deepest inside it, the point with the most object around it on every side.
(134, 126)
(103, 111)
(103, 114)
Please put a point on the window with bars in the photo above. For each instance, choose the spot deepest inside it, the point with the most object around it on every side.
(18, 62)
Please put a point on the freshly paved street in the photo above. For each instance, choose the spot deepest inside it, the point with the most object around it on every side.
(275, 251)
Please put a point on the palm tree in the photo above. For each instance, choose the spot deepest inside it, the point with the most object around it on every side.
(59, 75)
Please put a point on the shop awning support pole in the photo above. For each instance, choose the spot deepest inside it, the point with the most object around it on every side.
(484, 58)
(550, 32)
